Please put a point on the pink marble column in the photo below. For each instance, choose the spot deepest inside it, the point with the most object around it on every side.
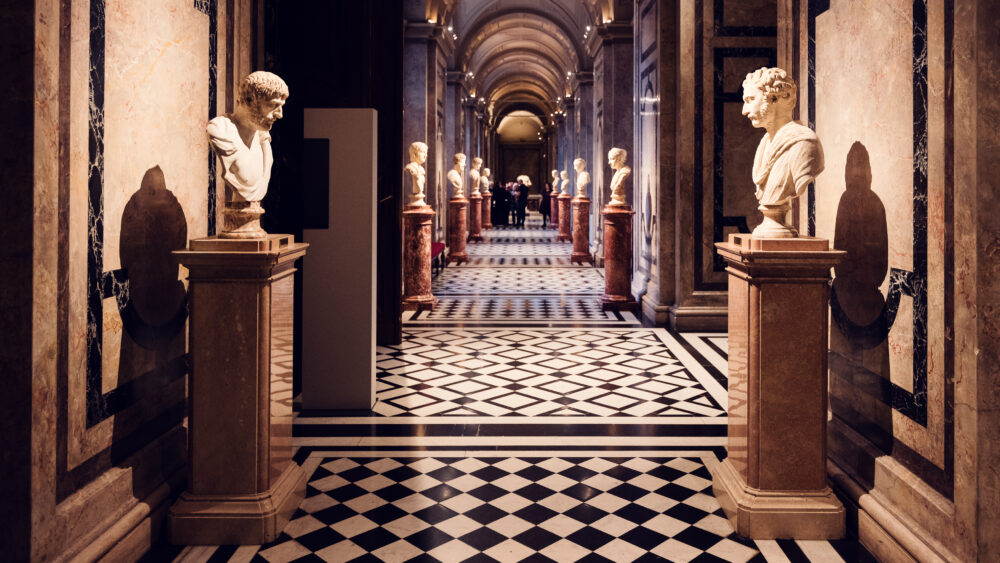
(487, 208)
(475, 218)
(581, 231)
(773, 484)
(554, 209)
(565, 219)
(417, 259)
(458, 211)
(618, 259)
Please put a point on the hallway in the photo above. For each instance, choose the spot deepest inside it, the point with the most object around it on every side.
(517, 421)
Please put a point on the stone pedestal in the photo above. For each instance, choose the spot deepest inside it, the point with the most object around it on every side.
(618, 259)
(458, 212)
(487, 211)
(554, 209)
(475, 218)
(581, 231)
(242, 483)
(417, 259)
(565, 219)
(773, 483)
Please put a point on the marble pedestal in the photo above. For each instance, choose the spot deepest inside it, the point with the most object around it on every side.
(554, 209)
(565, 219)
(581, 231)
(242, 483)
(773, 483)
(475, 218)
(417, 259)
(618, 259)
(458, 212)
(487, 210)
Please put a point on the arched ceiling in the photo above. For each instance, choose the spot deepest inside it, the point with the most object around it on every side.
(519, 126)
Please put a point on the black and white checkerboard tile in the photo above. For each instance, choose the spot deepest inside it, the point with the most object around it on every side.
(502, 507)
(520, 281)
(520, 249)
(542, 372)
(552, 261)
(524, 310)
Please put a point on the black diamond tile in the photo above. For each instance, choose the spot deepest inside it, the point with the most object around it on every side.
(446, 473)
(708, 558)
(401, 473)
(696, 537)
(635, 513)
(435, 513)
(578, 473)
(462, 400)
(665, 473)
(429, 538)
(318, 539)
(645, 538)
(703, 473)
(514, 386)
(628, 492)
(480, 558)
(392, 493)
(537, 558)
(485, 513)
(312, 491)
(586, 513)
(320, 473)
(685, 513)
(310, 558)
(589, 537)
(537, 538)
(358, 473)
(534, 492)
(347, 492)
(487, 492)
(375, 538)
(483, 538)
(366, 558)
(535, 513)
(676, 492)
(441, 492)
(489, 473)
(580, 492)
(423, 558)
(334, 514)
(385, 514)
(622, 473)
(534, 473)
(594, 558)
(299, 513)
(564, 401)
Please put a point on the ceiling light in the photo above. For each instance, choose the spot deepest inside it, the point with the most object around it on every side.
(450, 28)
(588, 28)
(431, 20)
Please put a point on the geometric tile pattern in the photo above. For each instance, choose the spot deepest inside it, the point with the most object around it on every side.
(521, 262)
(545, 308)
(523, 373)
(520, 249)
(533, 281)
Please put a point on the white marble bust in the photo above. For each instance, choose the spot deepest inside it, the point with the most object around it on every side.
(457, 175)
(582, 177)
(242, 142)
(418, 176)
(477, 163)
(565, 182)
(616, 160)
(555, 180)
(485, 182)
(789, 155)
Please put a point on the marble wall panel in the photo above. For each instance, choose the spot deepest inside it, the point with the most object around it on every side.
(646, 166)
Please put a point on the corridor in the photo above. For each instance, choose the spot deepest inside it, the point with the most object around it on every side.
(517, 421)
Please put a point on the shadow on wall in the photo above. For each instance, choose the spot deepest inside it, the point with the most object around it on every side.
(858, 308)
(153, 309)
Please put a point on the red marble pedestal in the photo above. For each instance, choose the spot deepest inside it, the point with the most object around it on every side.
(458, 211)
(487, 209)
(554, 209)
(565, 219)
(618, 259)
(417, 259)
(773, 484)
(581, 231)
(475, 218)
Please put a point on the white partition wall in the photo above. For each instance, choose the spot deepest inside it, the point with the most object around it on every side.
(338, 307)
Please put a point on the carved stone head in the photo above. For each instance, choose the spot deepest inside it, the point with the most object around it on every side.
(418, 152)
(477, 163)
(263, 94)
(459, 161)
(769, 96)
(616, 158)
(579, 164)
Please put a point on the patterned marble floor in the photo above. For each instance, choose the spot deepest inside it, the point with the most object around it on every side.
(526, 426)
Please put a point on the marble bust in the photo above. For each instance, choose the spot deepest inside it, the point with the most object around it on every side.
(555, 180)
(582, 177)
(616, 160)
(242, 143)
(418, 156)
(484, 182)
(565, 182)
(789, 155)
(457, 175)
(477, 163)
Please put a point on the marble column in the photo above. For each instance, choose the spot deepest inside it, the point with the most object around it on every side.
(417, 258)
(618, 259)
(554, 207)
(487, 209)
(581, 230)
(242, 483)
(773, 484)
(565, 219)
(475, 218)
(458, 212)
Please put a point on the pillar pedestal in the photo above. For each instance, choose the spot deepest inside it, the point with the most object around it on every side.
(565, 219)
(417, 259)
(487, 210)
(554, 209)
(773, 483)
(581, 231)
(475, 218)
(458, 212)
(618, 259)
(242, 483)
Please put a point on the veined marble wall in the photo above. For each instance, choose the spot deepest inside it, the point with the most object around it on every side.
(893, 90)
(132, 86)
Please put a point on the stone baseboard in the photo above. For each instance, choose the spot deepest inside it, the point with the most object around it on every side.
(708, 319)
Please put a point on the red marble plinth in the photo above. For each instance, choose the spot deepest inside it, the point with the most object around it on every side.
(581, 231)
(475, 218)
(565, 219)
(487, 208)
(417, 259)
(554, 209)
(618, 259)
(458, 211)
(773, 484)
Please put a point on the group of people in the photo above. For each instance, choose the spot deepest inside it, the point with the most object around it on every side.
(510, 204)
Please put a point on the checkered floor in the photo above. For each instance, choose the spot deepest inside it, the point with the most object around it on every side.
(522, 310)
(533, 281)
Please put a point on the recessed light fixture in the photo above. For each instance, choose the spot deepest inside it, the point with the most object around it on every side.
(431, 20)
